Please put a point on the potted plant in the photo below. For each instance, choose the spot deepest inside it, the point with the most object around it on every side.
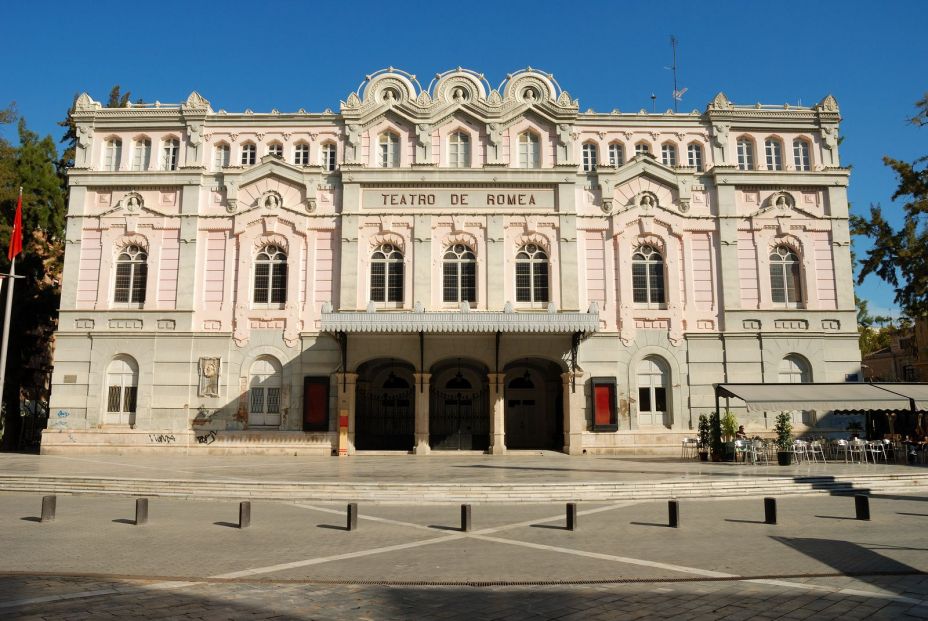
(729, 425)
(784, 431)
(715, 437)
(703, 437)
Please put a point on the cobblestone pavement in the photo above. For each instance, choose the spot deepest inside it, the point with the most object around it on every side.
(297, 561)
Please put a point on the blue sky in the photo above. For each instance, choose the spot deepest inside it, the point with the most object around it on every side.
(290, 55)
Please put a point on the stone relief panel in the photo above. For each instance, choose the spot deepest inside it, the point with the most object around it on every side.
(209, 377)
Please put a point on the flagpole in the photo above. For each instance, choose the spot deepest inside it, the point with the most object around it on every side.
(11, 280)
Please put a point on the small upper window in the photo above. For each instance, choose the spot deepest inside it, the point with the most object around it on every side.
(774, 151)
(389, 150)
(529, 150)
(276, 149)
(642, 148)
(694, 155)
(270, 276)
(131, 276)
(249, 154)
(802, 154)
(141, 154)
(784, 276)
(590, 156)
(327, 155)
(222, 156)
(459, 150)
(169, 154)
(112, 154)
(668, 154)
(647, 276)
(301, 154)
(745, 154)
(616, 154)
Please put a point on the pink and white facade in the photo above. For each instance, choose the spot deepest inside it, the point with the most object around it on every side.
(448, 266)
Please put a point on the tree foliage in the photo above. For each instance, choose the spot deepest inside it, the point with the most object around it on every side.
(900, 257)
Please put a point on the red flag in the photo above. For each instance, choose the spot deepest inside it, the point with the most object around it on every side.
(16, 237)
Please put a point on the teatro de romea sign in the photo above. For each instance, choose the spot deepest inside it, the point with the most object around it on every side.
(492, 198)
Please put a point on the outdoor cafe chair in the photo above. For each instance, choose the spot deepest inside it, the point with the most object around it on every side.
(689, 449)
(815, 448)
(877, 450)
(800, 450)
(858, 450)
(758, 451)
(741, 450)
(841, 448)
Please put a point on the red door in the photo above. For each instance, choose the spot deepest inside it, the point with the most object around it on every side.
(316, 404)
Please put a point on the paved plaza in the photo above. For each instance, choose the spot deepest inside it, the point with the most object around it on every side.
(297, 560)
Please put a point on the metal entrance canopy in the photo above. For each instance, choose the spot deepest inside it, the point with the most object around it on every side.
(838, 396)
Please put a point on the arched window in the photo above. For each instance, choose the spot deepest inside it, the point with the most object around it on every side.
(264, 393)
(141, 154)
(459, 150)
(389, 150)
(270, 276)
(668, 154)
(459, 274)
(616, 154)
(652, 391)
(276, 149)
(301, 154)
(387, 273)
(327, 155)
(802, 156)
(122, 387)
(745, 154)
(112, 154)
(170, 151)
(529, 150)
(784, 276)
(249, 154)
(773, 148)
(222, 156)
(590, 156)
(531, 274)
(131, 275)
(642, 148)
(648, 276)
(794, 369)
(694, 155)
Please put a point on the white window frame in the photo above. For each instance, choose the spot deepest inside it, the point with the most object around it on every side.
(276, 149)
(249, 154)
(388, 149)
(141, 154)
(785, 274)
(276, 260)
(795, 369)
(694, 155)
(802, 154)
(459, 150)
(652, 267)
(265, 391)
(669, 154)
(533, 259)
(328, 156)
(616, 154)
(529, 149)
(135, 290)
(773, 150)
(222, 156)
(392, 261)
(458, 255)
(170, 154)
(112, 155)
(590, 156)
(642, 148)
(301, 154)
(745, 150)
(120, 406)
(651, 374)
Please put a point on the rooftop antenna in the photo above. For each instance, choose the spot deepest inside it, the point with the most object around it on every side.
(677, 93)
(653, 103)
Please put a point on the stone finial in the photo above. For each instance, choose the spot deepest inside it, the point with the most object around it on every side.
(195, 101)
(720, 102)
(829, 104)
(85, 102)
(352, 102)
(326, 307)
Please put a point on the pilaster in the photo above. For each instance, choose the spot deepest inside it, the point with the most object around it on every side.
(422, 413)
(497, 382)
(187, 261)
(567, 255)
(728, 248)
(496, 263)
(348, 263)
(422, 261)
(573, 404)
(72, 255)
(345, 389)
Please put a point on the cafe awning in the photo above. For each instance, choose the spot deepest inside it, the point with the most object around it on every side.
(824, 397)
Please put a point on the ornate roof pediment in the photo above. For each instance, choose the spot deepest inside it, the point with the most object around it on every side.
(271, 166)
(680, 182)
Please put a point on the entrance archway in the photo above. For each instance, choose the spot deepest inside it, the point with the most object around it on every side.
(534, 405)
(384, 407)
(459, 406)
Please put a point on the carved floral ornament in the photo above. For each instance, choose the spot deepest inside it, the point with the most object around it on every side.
(650, 240)
(790, 241)
(533, 238)
(460, 237)
(134, 239)
(272, 240)
(388, 238)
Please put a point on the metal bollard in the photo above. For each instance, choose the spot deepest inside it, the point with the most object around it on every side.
(465, 518)
(862, 506)
(141, 511)
(48, 508)
(673, 510)
(571, 516)
(244, 514)
(352, 516)
(770, 510)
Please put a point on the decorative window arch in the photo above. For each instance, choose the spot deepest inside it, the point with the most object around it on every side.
(459, 149)
(590, 156)
(785, 276)
(276, 149)
(131, 275)
(745, 151)
(389, 153)
(694, 155)
(642, 148)
(122, 386)
(141, 153)
(264, 391)
(328, 154)
(112, 154)
(794, 369)
(270, 283)
(648, 277)
(532, 275)
(387, 274)
(249, 154)
(653, 379)
(669, 154)
(616, 154)
(301, 153)
(802, 154)
(459, 274)
(773, 150)
(170, 152)
(529, 149)
(222, 156)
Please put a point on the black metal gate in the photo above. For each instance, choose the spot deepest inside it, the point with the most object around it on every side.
(459, 420)
(384, 420)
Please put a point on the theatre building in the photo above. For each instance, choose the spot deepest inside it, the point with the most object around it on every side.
(444, 267)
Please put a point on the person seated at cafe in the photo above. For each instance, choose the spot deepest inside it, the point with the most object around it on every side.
(740, 434)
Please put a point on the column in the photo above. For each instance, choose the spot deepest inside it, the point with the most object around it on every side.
(345, 389)
(728, 252)
(574, 417)
(497, 383)
(422, 413)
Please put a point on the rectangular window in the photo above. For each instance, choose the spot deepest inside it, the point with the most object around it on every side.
(257, 401)
(640, 283)
(328, 157)
(169, 155)
(801, 155)
(523, 282)
(279, 284)
(469, 282)
(138, 283)
(660, 399)
(745, 155)
(694, 153)
(644, 400)
(642, 149)
(262, 282)
(378, 282)
(273, 400)
(450, 283)
(141, 157)
(129, 397)
(123, 281)
(616, 155)
(541, 282)
(112, 402)
(774, 155)
(657, 284)
(395, 284)
(669, 155)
